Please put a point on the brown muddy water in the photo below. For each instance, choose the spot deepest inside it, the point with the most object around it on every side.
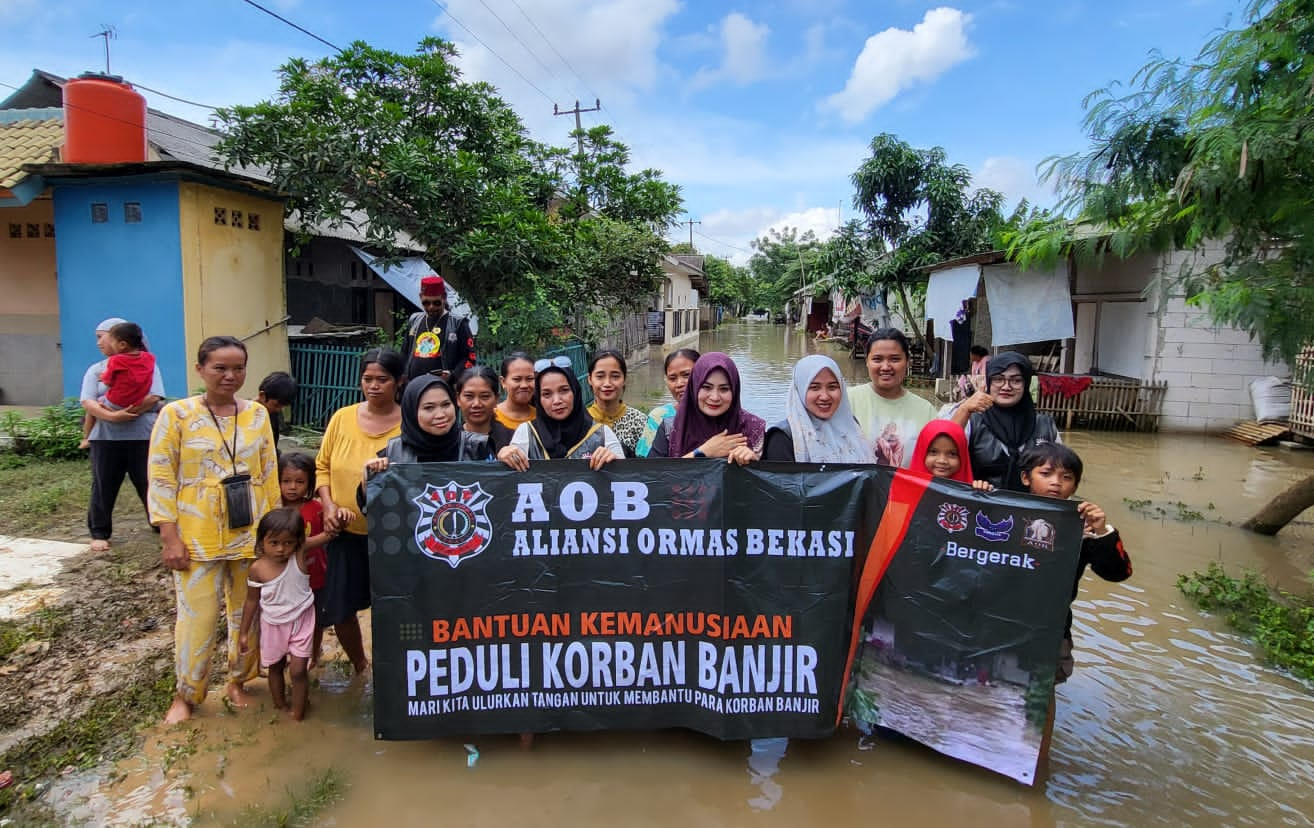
(1169, 719)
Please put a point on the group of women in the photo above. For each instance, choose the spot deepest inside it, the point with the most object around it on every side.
(533, 410)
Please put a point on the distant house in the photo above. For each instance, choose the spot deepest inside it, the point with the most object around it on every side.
(1104, 320)
(673, 322)
(185, 249)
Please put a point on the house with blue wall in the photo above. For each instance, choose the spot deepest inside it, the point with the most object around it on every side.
(185, 250)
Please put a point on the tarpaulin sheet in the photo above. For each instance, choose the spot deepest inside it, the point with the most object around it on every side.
(1028, 306)
(946, 290)
(405, 276)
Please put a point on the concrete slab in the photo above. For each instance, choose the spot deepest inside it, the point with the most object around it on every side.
(33, 561)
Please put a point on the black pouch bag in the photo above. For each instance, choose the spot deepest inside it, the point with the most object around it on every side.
(237, 500)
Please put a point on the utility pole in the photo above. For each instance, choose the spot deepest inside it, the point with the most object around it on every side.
(691, 223)
(579, 127)
(108, 33)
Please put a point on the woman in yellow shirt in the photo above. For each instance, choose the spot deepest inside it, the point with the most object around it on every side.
(213, 473)
(354, 436)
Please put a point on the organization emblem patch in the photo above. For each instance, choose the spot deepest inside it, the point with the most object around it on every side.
(453, 523)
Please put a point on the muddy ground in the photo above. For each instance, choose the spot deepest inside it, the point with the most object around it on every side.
(88, 660)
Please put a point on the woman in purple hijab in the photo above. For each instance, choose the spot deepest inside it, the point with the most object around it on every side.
(709, 421)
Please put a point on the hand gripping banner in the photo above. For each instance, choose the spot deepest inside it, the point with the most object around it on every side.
(648, 595)
(732, 601)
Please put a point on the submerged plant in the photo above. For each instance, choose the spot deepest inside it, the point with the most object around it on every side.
(1282, 623)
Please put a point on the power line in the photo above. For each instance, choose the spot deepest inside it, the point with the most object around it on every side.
(523, 44)
(722, 243)
(563, 59)
(506, 62)
(301, 29)
(107, 116)
(551, 46)
(173, 97)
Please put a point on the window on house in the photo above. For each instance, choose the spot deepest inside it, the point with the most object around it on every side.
(360, 305)
(252, 221)
(49, 230)
(235, 218)
(99, 212)
(15, 230)
(132, 212)
(33, 230)
(221, 215)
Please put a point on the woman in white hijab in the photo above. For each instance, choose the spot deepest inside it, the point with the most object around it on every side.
(819, 426)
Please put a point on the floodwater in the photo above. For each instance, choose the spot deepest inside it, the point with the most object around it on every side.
(1169, 719)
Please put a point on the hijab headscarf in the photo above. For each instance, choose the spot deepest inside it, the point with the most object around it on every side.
(943, 428)
(692, 427)
(836, 440)
(428, 448)
(560, 436)
(1013, 425)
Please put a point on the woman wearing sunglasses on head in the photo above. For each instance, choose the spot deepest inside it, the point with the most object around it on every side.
(563, 429)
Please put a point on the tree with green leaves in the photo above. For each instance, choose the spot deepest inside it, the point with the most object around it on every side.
(1214, 149)
(528, 233)
(918, 210)
(783, 261)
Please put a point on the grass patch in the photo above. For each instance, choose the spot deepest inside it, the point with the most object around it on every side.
(1174, 509)
(304, 803)
(39, 494)
(107, 730)
(46, 624)
(1282, 623)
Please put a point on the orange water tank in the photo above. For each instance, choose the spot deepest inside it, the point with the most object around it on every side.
(104, 121)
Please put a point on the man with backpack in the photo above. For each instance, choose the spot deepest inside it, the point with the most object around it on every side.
(437, 342)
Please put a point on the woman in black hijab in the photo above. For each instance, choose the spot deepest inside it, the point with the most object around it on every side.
(563, 429)
(999, 435)
(429, 433)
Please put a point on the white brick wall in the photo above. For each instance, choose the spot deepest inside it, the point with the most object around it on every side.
(1208, 370)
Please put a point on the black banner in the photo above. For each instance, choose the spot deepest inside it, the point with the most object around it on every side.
(959, 647)
(658, 594)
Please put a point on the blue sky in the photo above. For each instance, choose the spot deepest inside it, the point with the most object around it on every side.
(759, 111)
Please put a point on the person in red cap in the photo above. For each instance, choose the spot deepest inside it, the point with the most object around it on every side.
(437, 342)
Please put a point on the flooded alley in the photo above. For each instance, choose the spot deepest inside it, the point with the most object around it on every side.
(1170, 719)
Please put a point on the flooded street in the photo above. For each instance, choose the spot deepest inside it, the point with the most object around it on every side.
(1168, 720)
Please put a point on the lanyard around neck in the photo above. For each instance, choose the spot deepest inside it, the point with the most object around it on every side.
(232, 451)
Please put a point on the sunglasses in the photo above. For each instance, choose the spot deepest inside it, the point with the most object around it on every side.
(552, 362)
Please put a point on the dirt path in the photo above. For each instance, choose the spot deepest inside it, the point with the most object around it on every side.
(84, 649)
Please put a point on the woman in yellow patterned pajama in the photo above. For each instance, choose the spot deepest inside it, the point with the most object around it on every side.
(197, 444)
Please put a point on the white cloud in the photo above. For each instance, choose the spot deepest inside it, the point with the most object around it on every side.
(895, 59)
(612, 45)
(729, 233)
(1013, 177)
(745, 58)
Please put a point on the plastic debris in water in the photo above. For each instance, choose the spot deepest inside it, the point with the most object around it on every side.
(472, 755)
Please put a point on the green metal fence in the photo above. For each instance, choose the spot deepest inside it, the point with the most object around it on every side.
(328, 377)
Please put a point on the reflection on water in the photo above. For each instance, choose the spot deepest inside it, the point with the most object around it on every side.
(764, 354)
(1169, 719)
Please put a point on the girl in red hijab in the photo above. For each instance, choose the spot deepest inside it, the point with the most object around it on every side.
(941, 451)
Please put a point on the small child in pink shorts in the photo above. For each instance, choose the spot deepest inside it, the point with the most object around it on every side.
(278, 586)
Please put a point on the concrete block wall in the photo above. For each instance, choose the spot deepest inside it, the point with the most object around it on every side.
(1208, 369)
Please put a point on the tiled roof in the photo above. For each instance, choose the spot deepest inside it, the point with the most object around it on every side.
(27, 142)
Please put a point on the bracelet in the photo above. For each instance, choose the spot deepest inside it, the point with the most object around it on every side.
(698, 452)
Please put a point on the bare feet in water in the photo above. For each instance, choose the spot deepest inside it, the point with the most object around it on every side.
(100, 545)
(179, 711)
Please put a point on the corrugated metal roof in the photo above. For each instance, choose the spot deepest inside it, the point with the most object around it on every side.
(27, 142)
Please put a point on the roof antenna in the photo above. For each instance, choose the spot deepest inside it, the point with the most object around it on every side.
(107, 32)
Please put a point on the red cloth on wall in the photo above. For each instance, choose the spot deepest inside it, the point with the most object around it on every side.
(1064, 385)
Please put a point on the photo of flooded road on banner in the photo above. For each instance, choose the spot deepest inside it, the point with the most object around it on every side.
(959, 645)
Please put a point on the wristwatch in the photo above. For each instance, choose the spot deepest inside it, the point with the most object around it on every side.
(698, 452)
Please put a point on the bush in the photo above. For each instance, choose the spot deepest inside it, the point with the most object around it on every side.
(1282, 623)
(54, 434)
